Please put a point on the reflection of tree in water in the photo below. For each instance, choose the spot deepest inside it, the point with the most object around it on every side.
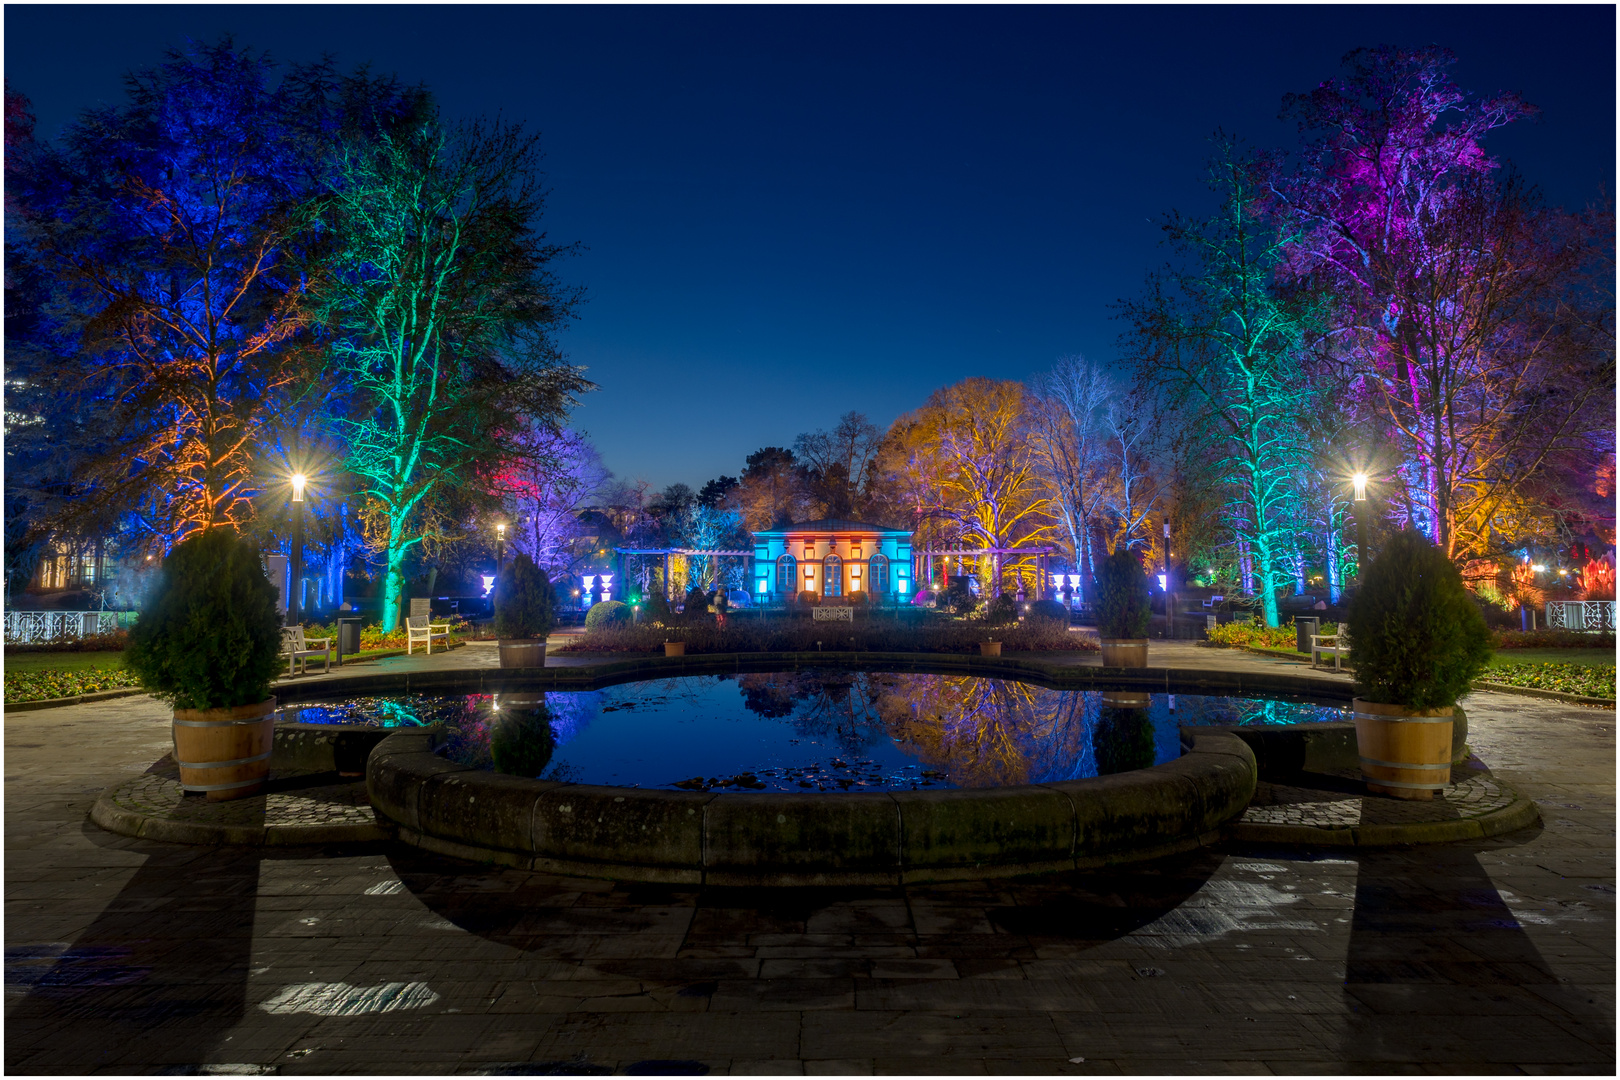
(1197, 709)
(416, 710)
(520, 737)
(836, 705)
(991, 732)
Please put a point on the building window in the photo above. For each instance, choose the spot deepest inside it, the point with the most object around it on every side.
(787, 575)
(877, 574)
(833, 583)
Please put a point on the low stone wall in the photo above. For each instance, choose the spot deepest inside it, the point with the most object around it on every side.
(336, 748)
(793, 839)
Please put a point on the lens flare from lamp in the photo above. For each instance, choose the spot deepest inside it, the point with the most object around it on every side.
(298, 481)
(1360, 481)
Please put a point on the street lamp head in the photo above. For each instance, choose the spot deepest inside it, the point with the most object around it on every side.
(1360, 481)
(500, 530)
(298, 480)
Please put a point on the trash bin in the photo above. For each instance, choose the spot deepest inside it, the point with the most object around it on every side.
(348, 634)
(1304, 627)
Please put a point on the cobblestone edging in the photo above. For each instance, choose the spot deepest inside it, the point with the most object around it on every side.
(790, 839)
(297, 810)
(1476, 806)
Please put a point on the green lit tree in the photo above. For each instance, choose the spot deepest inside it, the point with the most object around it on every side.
(1224, 347)
(442, 311)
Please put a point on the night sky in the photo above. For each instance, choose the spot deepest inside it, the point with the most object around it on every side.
(795, 212)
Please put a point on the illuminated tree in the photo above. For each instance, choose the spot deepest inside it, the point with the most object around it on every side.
(441, 307)
(1068, 425)
(1219, 342)
(556, 476)
(965, 462)
(1462, 293)
(771, 491)
(167, 230)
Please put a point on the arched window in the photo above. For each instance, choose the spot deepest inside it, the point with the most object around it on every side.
(787, 576)
(832, 583)
(877, 575)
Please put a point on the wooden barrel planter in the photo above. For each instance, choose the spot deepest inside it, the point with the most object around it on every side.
(225, 753)
(1405, 753)
(522, 652)
(1124, 652)
(989, 648)
(674, 648)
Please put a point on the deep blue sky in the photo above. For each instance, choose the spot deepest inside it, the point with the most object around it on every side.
(794, 212)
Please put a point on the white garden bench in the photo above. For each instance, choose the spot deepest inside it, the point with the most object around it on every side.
(298, 649)
(1335, 645)
(418, 628)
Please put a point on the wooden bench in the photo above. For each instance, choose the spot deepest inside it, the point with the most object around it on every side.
(418, 628)
(1336, 645)
(298, 649)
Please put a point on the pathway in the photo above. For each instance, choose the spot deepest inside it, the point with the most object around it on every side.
(134, 956)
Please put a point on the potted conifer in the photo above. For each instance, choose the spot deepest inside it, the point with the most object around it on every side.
(1417, 642)
(209, 643)
(525, 611)
(1123, 610)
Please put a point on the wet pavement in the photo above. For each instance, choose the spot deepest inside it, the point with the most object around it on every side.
(132, 956)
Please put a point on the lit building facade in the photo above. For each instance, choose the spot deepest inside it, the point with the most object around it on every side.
(832, 559)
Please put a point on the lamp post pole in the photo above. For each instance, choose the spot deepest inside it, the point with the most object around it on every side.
(1169, 593)
(1360, 482)
(295, 603)
(500, 547)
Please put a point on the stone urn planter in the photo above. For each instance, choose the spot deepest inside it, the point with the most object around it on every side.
(1124, 652)
(225, 753)
(989, 648)
(674, 648)
(1404, 752)
(522, 652)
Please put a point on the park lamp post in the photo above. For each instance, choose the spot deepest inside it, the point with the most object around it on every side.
(295, 603)
(1359, 482)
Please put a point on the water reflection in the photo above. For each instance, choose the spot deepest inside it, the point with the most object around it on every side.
(824, 730)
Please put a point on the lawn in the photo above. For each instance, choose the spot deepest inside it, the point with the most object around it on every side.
(1583, 657)
(63, 661)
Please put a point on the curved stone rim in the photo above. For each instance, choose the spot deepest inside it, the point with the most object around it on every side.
(785, 839)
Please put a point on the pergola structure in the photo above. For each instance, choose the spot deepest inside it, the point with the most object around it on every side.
(620, 553)
(1043, 559)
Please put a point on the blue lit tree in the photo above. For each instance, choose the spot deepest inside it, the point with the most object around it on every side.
(1225, 347)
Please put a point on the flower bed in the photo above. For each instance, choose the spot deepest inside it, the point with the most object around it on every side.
(790, 635)
(372, 637)
(58, 683)
(117, 641)
(1238, 634)
(1564, 678)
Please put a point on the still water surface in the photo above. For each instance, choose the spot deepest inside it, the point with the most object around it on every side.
(814, 731)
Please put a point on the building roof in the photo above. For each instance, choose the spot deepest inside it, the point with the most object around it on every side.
(831, 525)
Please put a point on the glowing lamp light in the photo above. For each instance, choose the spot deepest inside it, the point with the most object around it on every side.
(298, 481)
(500, 530)
(1360, 481)
(489, 582)
(1163, 586)
(1562, 572)
(763, 586)
(1540, 568)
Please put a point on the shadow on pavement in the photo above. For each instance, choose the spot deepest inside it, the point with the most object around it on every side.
(1440, 969)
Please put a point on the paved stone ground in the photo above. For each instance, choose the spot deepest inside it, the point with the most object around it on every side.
(132, 956)
(1472, 793)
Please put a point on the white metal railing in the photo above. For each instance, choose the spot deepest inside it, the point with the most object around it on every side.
(1581, 615)
(25, 627)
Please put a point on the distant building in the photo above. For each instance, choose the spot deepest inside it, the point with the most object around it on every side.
(832, 558)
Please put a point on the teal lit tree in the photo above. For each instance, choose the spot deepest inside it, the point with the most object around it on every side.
(1225, 349)
(442, 308)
